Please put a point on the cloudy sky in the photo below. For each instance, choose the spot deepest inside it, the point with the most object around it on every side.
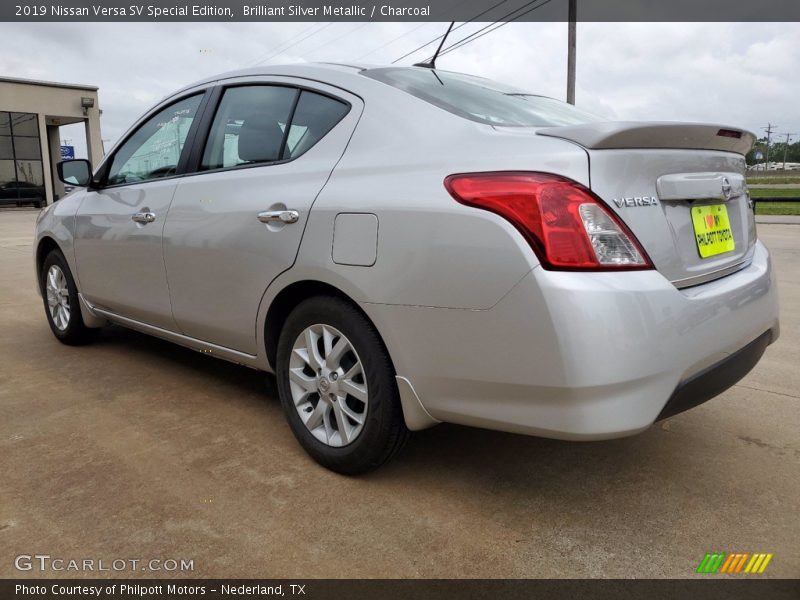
(742, 74)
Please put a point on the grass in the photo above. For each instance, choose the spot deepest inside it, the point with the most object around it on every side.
(774, 193)
(778, 208)
(773, 180)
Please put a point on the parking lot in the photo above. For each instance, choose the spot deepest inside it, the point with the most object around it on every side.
(133, 448)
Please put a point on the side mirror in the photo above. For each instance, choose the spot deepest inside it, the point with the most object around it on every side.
(75, 172)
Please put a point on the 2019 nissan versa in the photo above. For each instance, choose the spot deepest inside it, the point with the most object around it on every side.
(406, 246)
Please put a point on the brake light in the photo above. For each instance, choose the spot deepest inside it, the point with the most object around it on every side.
(567, 226)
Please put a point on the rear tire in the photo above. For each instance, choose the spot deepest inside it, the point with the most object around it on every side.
(337, 387)
(61, 303)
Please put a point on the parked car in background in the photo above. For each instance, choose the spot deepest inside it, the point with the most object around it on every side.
(407, 246)
(20, 193)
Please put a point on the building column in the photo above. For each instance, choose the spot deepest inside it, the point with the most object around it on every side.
(54, 140)
(47, 163)
(94, 144)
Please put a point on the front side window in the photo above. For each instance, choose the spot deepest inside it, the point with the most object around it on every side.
(481, 100)
(250, 126)
(154, 150)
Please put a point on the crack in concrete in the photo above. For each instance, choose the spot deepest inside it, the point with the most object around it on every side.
(757, 389)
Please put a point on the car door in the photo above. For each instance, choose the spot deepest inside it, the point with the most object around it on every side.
(236, 223)
(119, 227)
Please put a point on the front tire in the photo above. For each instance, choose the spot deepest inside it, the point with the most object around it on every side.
(337, 387)
(61, 304)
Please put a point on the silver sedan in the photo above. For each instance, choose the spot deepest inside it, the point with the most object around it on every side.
(407, 246)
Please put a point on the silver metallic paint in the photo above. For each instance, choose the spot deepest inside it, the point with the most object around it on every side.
(478, 332)
(355, 239)
(219, 257)
(667, 134)
(699, 186)
(670, 242)
(120, 262)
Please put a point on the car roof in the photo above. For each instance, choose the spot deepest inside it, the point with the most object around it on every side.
(341, 75)
(324, 72)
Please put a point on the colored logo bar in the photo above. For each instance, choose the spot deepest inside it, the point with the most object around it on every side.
(735, 562)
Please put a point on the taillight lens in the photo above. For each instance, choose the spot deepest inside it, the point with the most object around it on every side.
(567, 226)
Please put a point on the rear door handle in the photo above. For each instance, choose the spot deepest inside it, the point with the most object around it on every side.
(279, 216)
(143, 217)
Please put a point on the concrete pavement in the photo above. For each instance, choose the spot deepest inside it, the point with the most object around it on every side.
(778, 220)
(132, 448)
(773, 186)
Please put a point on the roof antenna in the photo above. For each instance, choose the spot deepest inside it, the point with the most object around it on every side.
(431, 64)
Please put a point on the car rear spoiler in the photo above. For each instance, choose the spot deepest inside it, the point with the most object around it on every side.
(620, 134)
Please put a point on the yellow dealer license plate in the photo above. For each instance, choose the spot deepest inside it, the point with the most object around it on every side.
(712, 229)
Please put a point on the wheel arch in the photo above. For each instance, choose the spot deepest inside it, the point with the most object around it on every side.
(289, 297)
(414, 413)
(45, 246)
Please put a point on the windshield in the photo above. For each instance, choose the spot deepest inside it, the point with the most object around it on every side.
(481, 100)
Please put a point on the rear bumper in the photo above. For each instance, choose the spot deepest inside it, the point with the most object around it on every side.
(714, 380)
(584, 355)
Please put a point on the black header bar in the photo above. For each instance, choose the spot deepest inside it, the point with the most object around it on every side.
(710, 588)
(399, 10)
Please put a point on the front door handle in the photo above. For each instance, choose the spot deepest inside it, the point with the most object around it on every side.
(279, 216)
(143, 217)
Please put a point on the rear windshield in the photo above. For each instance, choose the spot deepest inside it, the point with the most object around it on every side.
(481, 100)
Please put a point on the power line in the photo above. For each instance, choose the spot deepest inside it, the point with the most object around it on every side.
(336, 39)
(282, 50)
(437, 38)
(471, 38)
(494, 25)
(474, 36)
(306, 29)
(410, 31)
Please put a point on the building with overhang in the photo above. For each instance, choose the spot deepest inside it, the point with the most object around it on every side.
(31, 113)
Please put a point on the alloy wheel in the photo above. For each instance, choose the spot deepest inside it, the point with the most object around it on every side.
(328, 385)
(57, 297)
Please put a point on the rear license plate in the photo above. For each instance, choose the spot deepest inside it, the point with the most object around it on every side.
(712, 229)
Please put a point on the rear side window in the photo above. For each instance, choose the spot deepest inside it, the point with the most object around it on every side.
(264, 123)
(481, 100)
(314, 117)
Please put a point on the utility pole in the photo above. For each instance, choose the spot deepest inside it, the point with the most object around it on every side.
(785, 148)
(768, 129)
(571, 35)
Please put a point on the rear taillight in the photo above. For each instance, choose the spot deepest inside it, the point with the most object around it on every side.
(567, 226)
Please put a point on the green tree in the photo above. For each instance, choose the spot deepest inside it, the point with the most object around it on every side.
(776, 150)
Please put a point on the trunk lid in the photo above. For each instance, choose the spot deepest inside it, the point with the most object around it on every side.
(673, 184)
